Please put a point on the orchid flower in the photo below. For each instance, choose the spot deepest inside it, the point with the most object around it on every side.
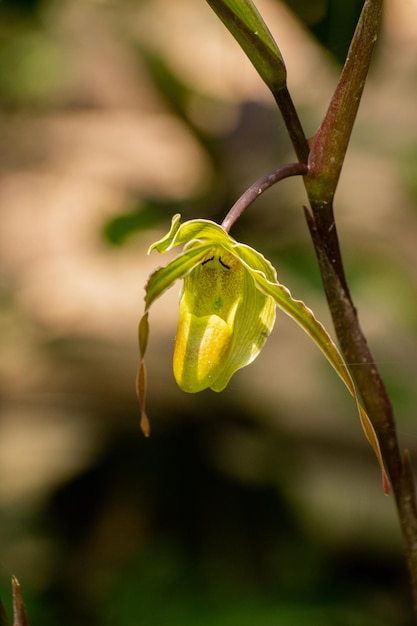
(227, 311)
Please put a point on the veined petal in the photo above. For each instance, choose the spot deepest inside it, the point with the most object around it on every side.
(201, 349)
(163, 278)
(210, 299)
(301, 314)
(224, 322)
(254, 321)
(190, 232)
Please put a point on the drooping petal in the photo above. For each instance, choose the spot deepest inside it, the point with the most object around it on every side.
(143, 334)
(301, 314)
(159, 281)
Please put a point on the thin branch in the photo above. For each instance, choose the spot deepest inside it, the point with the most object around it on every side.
(261, 185)
(292, 123)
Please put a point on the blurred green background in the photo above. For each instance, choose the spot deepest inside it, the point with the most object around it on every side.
(261, 505)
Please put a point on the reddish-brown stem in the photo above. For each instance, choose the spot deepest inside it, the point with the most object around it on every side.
(261, 185)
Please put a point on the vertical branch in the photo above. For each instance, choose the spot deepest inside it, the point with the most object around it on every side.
(325, 156)
(371, 387)
(293, 124)
(328, 149)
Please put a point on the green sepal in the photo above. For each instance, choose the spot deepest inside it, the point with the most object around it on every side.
(244, 22)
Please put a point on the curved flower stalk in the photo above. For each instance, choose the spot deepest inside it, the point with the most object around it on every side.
(227, 311)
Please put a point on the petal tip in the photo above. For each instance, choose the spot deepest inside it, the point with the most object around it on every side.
(145, 426)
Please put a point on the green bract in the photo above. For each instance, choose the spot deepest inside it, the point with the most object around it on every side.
(227, 311)
(244, 22)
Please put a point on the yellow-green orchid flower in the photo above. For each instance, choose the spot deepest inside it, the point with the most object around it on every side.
(227, 311)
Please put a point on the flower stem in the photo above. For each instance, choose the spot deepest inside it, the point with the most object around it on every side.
(292, 123)
(261, 185)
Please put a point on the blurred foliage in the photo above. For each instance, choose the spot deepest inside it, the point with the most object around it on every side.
(13, 12)
(191, 546)
(409, 169)
(3, 616)
(146, 215)
(36, 63)
(332, 22)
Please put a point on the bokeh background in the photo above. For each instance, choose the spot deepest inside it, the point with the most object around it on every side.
(261, 505)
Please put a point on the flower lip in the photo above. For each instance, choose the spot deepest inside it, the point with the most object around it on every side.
(224, 322)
